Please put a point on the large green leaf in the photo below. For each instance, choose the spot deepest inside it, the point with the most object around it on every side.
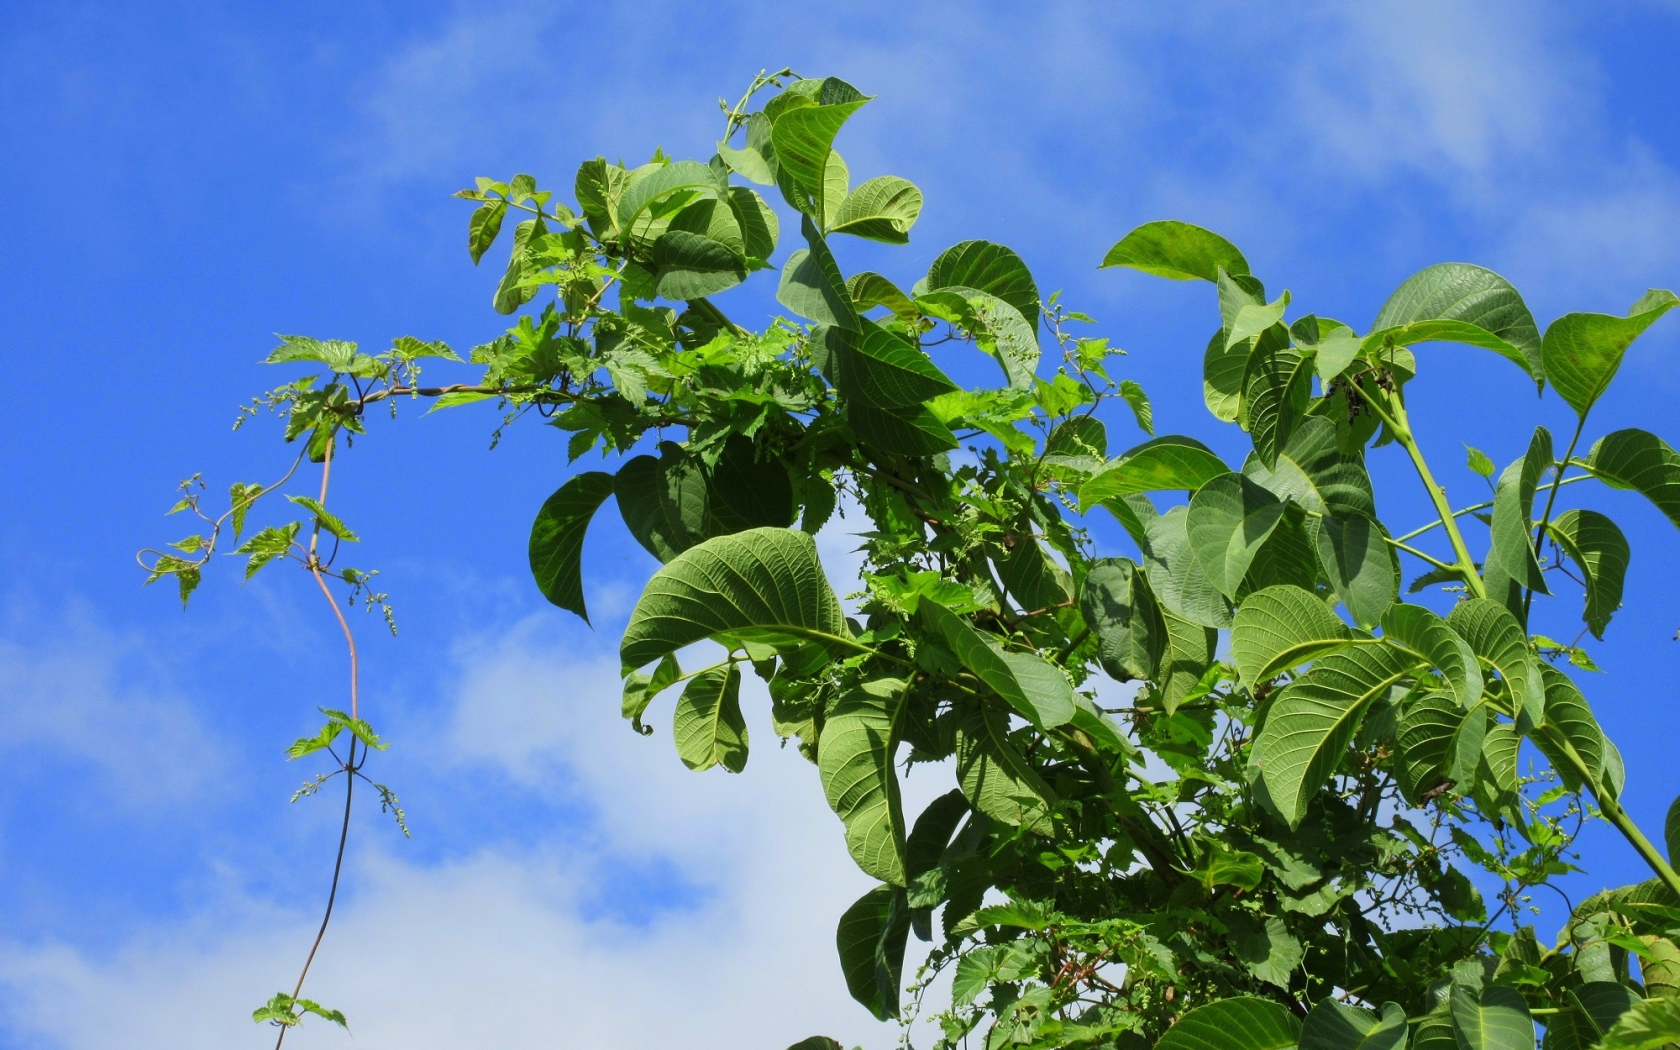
(750, 488)
(1160, 464)
(1499, 642)
(1513, 512)
(1353, 552)
(694, 265)
(926, 843)
(1420, 631)
(644, 192)
(914, 430)
(804, 139)
(855, 758)
(1114, 598)
(1639, 460)
(1228, 519)
(1176, 575)
(1335, 1026)
(871, 938)
(1476, 296)
(557, 539)
(708, 726)
(1439, 741)
(1280, 628)
(882, 209)
(1313, 719)
(1028, 683)
(664, 501)
(762, 585)
(885, 370)
(1652, 1023)
(1590, 1011)
(812, 285)
(990, 268)
(995, 778)
(1276, 392)
(1496, 784)
(1189, 653)
(1316, 474)
(1033, 579)
(1491, 1018)
(1176, 250)
(1234, 1024)
(760, 229)
(1569, 726)
(1600, 551)
(1582, 352)
(1223, 368)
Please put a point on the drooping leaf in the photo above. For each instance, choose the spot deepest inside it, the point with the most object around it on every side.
(1438, 741)
(1161, 464)
(643, 192)
(1569, 730)
(1243, 1023)
(804, 138)
(1177, 576)
(1032, 578)
(871, 938)
(1513, 511)
(884, 370)
(1475, 296)
(812, 285)
(1671, 830)
(1115, 601)
(1420, 631)
(991, 268)
(1491, 1018)
(1189, 653)
(882, 209)
(932, 832)
(1313, 719)
(1280, 628)
(1176, 250)
(512, 292)
(1029, 684)
(1499, 642)
(482, 228)
(855, 758)
(1335, 1026)
(760, 229)
(640, 689)
(1267, 949)
(1582, 352)
(556, 546)
(869, 290)
(664, 501)
(1353, 552)
(1496, 784)
(1138, 402)
(1590, 1011)
(1600, 551)
(1228, 519)
(708, 727)
(1639, 460)
(763, 585)
(995, 778)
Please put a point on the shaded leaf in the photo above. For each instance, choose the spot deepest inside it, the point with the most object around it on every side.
(990, 268)
(855, 759)
(1243, 1023)
(556, 545)
(1161, 464)
(1600, 551)
(995, 778)
(1353, 552)
(1228, 519)
(1499, 642)
(1335, 1026)
(871, 938)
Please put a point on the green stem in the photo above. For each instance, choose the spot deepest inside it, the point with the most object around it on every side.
(1398, 426)
(1616, 815)
(1414, 552)
(1421, 529)
(1551, 498)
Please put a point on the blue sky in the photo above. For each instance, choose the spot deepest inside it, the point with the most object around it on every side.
(185, 180)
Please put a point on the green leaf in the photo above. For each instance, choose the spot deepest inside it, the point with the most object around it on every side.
(1314, 718)
(644, 191)
(1253, 318)
(1189, 653)
(1243, 1023)
(1176, 250)
(1228, 519)
(267, 545)
(1033, 579)
(1650, 1024)
(1590, 1010)
(694, 265)
(1334, 352)
(1029, 684)
(1513, 512)
(1598, 548)
(640, 689)
(1353, 552)
(556, 547)
(308, 745)
(927, 840)
(1138, 401)
(1638, 460)
(1223, 369)
(1115, 601)
(855, 758)
(1164, 463)
(1569, 725)
(1438, 741)
(1478, 461)
(1315, 473)
(1267, 949)
(750, 488)
(990, 268)
(664, 501)
(817, 1042)
(1280, 628)
(1582, 352)
(325, 520)
(804, 139)
(871, 938)
(708, 726)
(512, 292)
(994, 776)
(1671, 830)
(1178, 577)
(1276, 393)
(884, 370)
(1498, 642)
(1491, 1018)
(763, 585)
(1416, 629)
(759, 228)
(1495, 788)
(869, 290)
(482, 228)
(1475, 296)
(882, 209)
(1334, 1026)
(812, 285)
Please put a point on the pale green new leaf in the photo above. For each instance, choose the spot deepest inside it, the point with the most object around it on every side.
(1138, 401)
(1164, 463)
(640, 689)
(1176, 250)
(1475, 296)
(1228, 519)
(869, 290)
(1243, 1023)
(325, 520)
(882, 209)
(708, 726)
(1254, 318)
(1499, 642)
(855, 759)
(804, 138)
(1582, 351)
(556, 545)
(764, 585)
(1639, 460)
(1336, 1026)
(1278, 629)
(1313, 719)
(1598, 548)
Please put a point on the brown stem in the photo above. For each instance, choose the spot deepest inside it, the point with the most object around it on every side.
(332, 895)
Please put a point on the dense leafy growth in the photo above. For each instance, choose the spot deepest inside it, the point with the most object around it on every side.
(1258, 851)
